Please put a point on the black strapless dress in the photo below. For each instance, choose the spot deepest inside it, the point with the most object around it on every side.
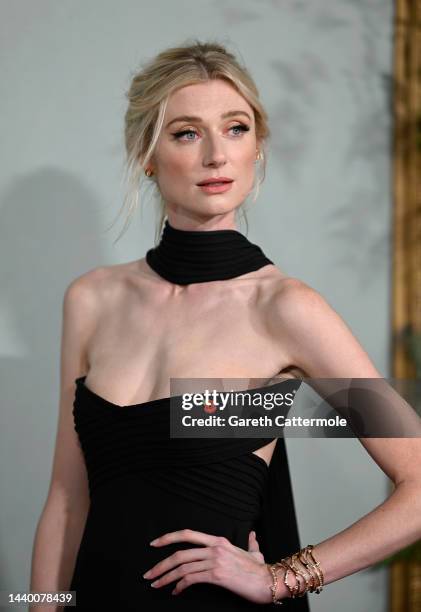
(143, 484)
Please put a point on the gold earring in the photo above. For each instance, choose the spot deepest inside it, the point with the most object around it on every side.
(148, 172)
(258, 155)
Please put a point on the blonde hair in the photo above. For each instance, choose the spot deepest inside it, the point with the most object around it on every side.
(148, 94)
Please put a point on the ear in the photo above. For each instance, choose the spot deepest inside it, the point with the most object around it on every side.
(152, 163)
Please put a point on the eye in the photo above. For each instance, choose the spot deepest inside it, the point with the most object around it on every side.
(178, 135)
(240, 126)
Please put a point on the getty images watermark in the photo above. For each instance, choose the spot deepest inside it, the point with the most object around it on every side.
(307, 407)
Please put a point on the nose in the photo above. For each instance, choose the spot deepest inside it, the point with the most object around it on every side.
(214, 155)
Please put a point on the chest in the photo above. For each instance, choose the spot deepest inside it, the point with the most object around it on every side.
(145, 339)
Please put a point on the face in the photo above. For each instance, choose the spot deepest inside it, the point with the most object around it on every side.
(200, 140)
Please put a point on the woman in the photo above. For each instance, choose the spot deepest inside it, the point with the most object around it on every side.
(204, 302)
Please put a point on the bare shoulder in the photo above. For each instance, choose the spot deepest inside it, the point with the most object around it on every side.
(83, 287)
(79, 296)
(292, 299)
(319, 341)
(91, 287)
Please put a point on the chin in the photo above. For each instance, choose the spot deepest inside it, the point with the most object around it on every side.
(208, 212)
(219, 208)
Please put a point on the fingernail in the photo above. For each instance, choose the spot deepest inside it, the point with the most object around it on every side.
(154, 583)
(153, 542)
(147, 574)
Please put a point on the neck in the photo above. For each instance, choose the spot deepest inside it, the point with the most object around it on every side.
(196, 256)
(216, 223)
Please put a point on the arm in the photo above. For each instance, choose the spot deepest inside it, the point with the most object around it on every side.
(63, 517)
(320, 345)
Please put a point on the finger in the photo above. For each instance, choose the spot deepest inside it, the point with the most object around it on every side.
(189, 535)
(181, 571)
(190, 579)
(253, 543)
(180, 556)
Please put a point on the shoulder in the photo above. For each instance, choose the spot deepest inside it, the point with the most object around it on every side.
(98, 283)
(303, 313)
(84, 288)
(320, 343)
(86, 293)
(293, 305)
(293, 301)
(108, 288)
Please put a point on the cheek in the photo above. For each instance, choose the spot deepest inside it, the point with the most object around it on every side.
(247, 172)
(247, 164)
(174, 174)
(246, 158)
(171, 165)
(175, 166)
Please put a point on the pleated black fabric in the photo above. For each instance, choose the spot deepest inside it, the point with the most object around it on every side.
(143, 483)
(187, 256)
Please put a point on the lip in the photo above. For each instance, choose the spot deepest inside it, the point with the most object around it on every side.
(212, 188)
(216, 179)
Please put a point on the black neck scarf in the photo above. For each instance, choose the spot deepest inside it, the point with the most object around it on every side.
(186, 256)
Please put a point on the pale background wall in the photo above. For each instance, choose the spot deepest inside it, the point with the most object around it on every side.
(324, 213)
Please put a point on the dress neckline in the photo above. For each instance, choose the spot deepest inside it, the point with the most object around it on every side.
(154, 403)
(81, 384)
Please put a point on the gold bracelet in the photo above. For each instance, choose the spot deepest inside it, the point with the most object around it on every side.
(292, 589)
(273, 587)
(315, 579)
(310, 547)
(311, 580)
(300, 572)
(314, 565)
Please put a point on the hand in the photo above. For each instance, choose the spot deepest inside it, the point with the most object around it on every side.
(217, 562)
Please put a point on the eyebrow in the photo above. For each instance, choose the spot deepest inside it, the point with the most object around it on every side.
(193, 118)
